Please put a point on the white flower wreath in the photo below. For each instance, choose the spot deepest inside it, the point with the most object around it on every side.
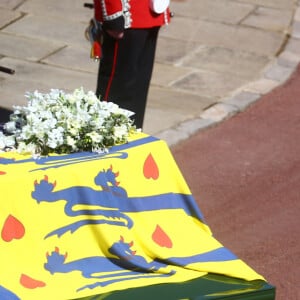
(64, 123)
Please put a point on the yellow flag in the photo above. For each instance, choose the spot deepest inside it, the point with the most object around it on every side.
(90, 223)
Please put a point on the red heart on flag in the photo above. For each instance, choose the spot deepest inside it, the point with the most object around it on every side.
(2, 173)
(31, 283)
(150, 168)
(12, 229)
(161, 238)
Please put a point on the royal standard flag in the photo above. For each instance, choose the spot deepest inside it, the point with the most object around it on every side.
(91, 223)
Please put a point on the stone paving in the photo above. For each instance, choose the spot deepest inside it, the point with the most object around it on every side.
(215, 59)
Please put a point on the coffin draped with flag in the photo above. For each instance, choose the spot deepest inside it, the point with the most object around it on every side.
(87, 223)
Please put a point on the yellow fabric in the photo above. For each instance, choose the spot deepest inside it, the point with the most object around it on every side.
(84, 224)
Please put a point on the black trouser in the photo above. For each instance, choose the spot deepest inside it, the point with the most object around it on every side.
(126, 68)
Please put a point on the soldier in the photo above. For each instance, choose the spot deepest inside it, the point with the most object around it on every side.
(130, 31)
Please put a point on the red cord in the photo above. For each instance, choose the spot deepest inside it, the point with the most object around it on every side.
(112, 71)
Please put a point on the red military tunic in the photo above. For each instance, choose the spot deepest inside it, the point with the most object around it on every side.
(122, 14)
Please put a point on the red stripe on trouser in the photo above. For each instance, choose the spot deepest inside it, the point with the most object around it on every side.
(112, 71)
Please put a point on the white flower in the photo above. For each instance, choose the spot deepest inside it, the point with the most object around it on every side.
(26, 148)
(10, 126)
(9, 141)
(2, 144)
(2, 141)
(71, 142)
(120, 131)
(55, 138)
(63, 123)
(95, 137)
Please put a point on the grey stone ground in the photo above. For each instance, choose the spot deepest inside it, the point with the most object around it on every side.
(215, 58)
